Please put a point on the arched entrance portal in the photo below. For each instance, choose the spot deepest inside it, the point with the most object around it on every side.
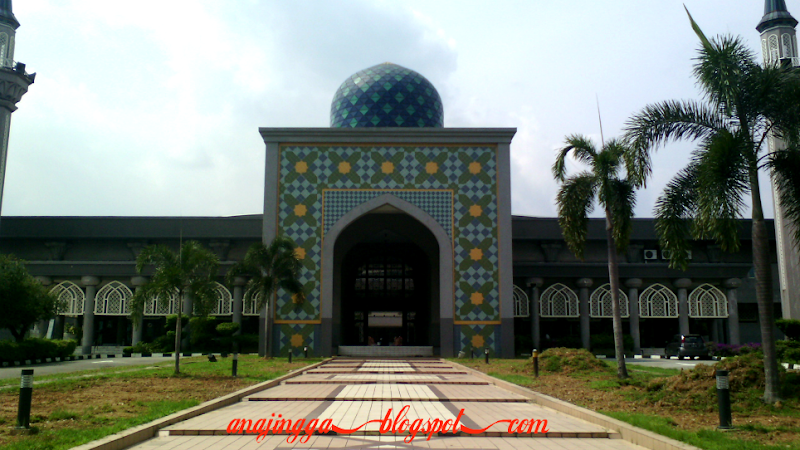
(387, 270)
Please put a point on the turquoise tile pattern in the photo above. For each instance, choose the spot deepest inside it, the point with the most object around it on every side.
(455, 185)
(386, 95)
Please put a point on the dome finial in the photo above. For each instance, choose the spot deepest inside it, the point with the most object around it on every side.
(775, 14)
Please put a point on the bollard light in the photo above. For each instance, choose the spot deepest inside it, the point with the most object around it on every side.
(535, 363)
(486, 353)
(305, 351)
(724, 400)
(460, 354)
(472, 353)
(25, 397)
(235, 366)
(290, 356)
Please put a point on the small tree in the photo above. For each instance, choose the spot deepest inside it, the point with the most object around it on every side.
(576, 200)
(190, 272)
(23, 300)
(271, 267)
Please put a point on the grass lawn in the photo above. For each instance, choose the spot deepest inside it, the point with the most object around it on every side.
(680, 405)
(79, 407)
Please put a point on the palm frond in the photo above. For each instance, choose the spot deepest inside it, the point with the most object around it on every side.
(620, 198)
(723, 180)
(671, 120)
(785, 165)
(575, 202)
(582, 150)
(703, 39)
(723, 71)
(674, 211)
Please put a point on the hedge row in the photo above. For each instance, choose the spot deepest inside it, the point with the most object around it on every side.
(36, 348)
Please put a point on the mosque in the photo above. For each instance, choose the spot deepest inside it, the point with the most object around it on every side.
(404, 228)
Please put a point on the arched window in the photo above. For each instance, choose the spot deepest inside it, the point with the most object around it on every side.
(384, 276)
(774, 54)
(249, 306)
(520, 303)
(707, 301)
(4, 50)
(153, 308)
(112, 299)
(765, 50)
(72, 296)
(224, 302)
(600, 302)
(658, 301)
(786, 41)
(559, 301)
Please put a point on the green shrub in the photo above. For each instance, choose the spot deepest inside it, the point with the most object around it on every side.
(248, 343)
(141, 347)
(163, 344)
(788, 351)
(36, 348)
(204, 330)
(227, 328)
(172, 319)
(789, 327)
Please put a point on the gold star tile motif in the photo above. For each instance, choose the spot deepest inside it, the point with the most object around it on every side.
(344, 167)
(431, 167)
(301, 167)
(474, 167)
(300, 253)
(297, 340)
(475, 210)
(387, 167)
(477, 341)
(476, 254)
(476, 298)
(300, 210)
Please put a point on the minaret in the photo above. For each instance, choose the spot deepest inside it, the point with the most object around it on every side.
(779, 46)
(14, 82)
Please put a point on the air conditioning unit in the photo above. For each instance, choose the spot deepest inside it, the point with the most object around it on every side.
(650, 255)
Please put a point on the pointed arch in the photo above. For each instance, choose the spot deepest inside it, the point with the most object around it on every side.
(113, 299)
(707, 301)
(224, 306)
(658, 301)
(600, 303)
(446, 301)
(559, 301)
(520, 303)
(153, 308)
(72, 297)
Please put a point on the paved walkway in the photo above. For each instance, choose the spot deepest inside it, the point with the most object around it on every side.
(354, 392)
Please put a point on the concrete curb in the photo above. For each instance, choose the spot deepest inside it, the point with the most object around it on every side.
(627, 432)
(141, 433)
(29, 362)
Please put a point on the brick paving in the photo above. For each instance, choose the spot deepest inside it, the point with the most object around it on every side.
(353, 392)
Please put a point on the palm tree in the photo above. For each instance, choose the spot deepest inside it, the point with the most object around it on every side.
(745, 105)
(270, 267)
(188, 273)
(576, 200)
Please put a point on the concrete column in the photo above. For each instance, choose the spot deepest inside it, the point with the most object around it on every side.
(683, 304)
(633, 285)
(732, 284)
(88, 313)
(533, 290)
(238, 295)
(583, 297)
(188, 309)
(43, 325)
(138, 327)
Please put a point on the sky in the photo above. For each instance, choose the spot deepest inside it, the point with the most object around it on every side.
(152, 108)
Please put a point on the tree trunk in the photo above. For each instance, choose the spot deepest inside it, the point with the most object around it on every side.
(763, 269)
(613, 275)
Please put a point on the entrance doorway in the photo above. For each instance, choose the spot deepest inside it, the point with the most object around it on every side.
(386, 295)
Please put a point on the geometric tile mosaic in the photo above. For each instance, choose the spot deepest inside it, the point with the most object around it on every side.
(438, 204)
(455, 185)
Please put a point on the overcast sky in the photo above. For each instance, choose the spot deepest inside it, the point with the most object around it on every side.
(153, 107)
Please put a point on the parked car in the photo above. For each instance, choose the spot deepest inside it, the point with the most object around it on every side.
(687, 345)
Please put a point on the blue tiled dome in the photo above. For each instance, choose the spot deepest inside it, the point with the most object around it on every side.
(386, 95)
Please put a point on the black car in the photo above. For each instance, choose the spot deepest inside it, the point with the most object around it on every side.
(687, 345)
